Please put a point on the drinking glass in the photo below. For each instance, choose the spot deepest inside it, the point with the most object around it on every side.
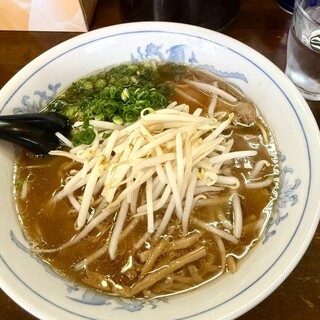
(303, 49)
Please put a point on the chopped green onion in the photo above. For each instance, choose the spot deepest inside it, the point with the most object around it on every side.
(83, 136)
(117, 95)
(117, 120)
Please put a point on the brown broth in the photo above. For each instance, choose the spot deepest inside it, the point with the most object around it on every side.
(49, 225)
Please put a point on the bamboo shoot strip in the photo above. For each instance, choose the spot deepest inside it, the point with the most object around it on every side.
(153, 256)
(145, 236)
(156, 275)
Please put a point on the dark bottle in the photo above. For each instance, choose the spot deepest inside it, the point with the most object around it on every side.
(286, 5)
(212, 14)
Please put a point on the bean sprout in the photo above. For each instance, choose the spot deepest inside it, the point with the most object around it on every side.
(175, 167)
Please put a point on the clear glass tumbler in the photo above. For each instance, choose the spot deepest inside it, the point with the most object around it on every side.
(303, 49)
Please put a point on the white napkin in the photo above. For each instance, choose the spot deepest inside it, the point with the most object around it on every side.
(43, 15)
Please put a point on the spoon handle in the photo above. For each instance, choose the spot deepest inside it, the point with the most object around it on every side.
(34, 132)
(50, 121)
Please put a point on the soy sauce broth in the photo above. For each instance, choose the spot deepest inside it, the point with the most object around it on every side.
(48, 224)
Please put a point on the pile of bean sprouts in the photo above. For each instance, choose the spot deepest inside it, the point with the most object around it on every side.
(173, 156)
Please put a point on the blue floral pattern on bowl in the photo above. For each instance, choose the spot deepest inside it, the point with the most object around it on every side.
(176, 53)
(41, 98)
(181, 54)
(287, 198)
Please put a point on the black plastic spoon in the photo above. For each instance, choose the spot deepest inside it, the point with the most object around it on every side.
(35, 132)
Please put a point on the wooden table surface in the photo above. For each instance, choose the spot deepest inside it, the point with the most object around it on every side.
(261, 25)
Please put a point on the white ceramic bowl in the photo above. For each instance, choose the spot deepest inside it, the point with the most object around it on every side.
(31, 284)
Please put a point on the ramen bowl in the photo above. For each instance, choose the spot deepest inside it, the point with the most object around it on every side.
(34, 286)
